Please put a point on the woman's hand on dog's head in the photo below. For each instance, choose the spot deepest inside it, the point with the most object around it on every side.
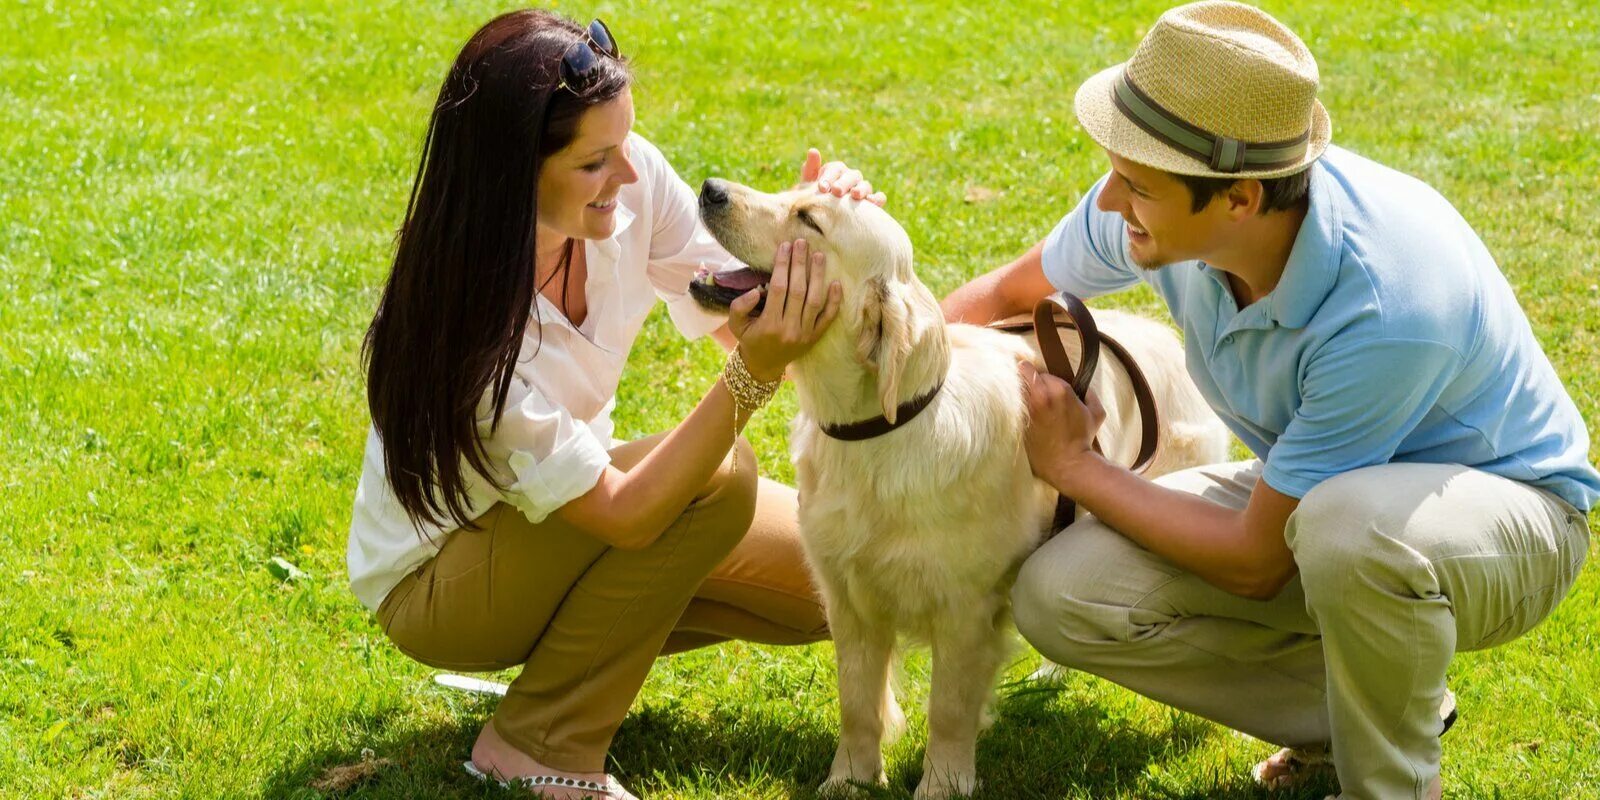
(801, 303)
(838, 179)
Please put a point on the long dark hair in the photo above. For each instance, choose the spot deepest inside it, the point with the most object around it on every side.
(450, 324)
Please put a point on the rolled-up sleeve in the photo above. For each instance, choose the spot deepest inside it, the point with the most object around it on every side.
(679, 244)
(1357, 404)
(1086, 254)
(551, 456)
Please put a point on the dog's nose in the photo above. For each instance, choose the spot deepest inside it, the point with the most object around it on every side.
(713, 193)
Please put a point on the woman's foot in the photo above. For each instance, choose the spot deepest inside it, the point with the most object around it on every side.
(497, 758)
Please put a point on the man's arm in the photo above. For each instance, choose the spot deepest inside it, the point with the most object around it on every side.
(1242, 552)
(1004, 292)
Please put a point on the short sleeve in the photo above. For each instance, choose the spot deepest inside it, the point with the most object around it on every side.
(551, 456)
(1086, 254)
(1357, 404)
(679, 243)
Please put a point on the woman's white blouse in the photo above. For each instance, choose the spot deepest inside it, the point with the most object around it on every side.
(552, 439)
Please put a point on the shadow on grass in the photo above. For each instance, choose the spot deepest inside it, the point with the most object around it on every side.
(659, 747)
(1038, 749)
(1045, 747)
(413, 762)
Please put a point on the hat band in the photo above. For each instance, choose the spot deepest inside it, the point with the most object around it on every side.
(1221, 153)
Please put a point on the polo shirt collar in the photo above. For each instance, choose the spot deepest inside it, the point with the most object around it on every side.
(1313, 265)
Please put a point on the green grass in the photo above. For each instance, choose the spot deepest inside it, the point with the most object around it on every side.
(197, 203)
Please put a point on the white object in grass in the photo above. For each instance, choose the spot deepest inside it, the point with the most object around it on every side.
(474, 685)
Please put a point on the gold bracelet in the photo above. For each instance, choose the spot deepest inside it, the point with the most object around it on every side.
(749, 394)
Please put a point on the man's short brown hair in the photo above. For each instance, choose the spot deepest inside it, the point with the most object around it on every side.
(1277, 194)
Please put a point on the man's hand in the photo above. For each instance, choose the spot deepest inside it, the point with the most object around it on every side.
(839, 179)
(1061, 428)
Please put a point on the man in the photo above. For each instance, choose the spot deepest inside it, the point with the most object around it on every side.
(1423, 475)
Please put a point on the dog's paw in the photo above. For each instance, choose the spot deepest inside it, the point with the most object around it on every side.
(946, 786)
(837, 787)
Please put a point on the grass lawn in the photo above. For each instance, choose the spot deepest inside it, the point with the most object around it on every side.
(197, 203)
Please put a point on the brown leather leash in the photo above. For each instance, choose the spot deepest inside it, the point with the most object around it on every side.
(1047, 316)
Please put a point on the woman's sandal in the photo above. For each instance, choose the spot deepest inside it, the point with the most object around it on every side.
(1300, 765)
(610, 790)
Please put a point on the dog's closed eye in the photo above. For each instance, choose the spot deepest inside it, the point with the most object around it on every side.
(806, 219)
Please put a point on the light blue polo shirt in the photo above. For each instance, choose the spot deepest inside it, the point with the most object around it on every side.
(1391, 337)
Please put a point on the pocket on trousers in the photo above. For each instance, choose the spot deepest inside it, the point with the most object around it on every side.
(467, 550)
(396, 601)
(413, 632)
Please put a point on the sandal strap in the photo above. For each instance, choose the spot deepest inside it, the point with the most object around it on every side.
(556, 781)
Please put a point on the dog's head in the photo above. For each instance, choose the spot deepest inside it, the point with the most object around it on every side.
(885, 309)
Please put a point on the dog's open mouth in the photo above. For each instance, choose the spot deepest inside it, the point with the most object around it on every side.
(717, 290)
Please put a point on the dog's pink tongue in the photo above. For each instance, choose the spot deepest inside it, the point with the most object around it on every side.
(742, 280)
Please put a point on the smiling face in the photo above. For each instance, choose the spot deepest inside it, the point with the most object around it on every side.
(860, 240)
(578, 185)
(1163, 227)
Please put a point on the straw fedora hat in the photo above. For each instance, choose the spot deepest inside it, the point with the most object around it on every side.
(1216, 88)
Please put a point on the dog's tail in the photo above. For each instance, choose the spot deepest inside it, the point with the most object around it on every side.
(894, 719)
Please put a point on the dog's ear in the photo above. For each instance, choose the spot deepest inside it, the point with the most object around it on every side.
(883, 341)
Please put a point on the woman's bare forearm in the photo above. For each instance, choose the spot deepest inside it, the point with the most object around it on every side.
(630, 509)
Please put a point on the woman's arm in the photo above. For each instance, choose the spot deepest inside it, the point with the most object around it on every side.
(631, 509)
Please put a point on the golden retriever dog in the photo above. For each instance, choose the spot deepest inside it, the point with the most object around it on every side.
(918, 533)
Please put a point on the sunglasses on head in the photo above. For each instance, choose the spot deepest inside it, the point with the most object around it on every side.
(581, 63)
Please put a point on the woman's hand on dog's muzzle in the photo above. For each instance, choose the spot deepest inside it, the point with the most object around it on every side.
(801, 303)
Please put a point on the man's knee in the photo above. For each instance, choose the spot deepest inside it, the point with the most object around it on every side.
(1337, 535)
(1072, 597)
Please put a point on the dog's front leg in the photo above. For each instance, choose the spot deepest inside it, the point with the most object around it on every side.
(863, 649)
(967, 654)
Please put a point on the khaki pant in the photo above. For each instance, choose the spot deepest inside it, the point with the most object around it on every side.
(585, 621)
(1401, 567)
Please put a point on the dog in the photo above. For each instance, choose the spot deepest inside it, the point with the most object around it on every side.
(919, 532)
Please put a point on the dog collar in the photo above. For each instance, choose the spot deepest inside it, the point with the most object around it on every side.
(880, 425)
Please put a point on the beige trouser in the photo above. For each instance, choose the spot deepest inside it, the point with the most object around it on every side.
(585, 621)
(1401, 567)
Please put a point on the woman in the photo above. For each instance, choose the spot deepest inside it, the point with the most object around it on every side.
(496, 524)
